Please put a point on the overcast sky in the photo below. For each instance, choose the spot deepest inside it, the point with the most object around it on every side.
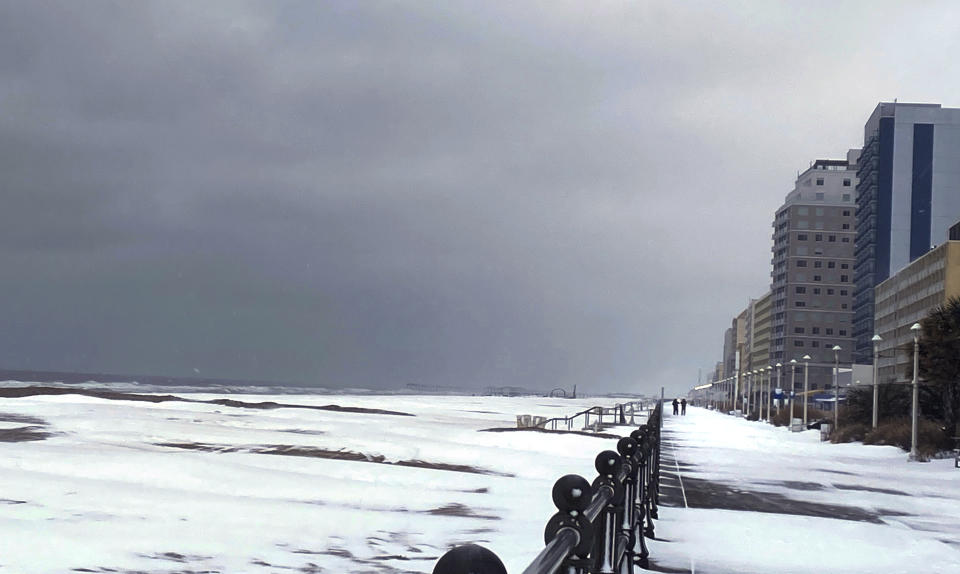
(380, 193)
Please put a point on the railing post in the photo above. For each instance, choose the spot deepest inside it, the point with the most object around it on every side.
(640, 550)
(607, 463)
(647, 500)
(627, 447)
(655, 471)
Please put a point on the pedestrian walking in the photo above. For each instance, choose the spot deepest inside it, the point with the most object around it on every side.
(676, 407)
(683, 406)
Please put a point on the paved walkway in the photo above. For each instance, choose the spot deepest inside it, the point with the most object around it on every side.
(740, 496)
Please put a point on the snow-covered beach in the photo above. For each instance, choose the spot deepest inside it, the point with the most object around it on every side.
(173, 486)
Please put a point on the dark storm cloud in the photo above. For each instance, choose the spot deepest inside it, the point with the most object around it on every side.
(371, 194)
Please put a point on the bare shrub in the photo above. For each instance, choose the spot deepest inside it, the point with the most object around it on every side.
(931, 437)
(850, 433)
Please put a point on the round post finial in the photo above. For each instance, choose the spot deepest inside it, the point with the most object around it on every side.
(469, 559)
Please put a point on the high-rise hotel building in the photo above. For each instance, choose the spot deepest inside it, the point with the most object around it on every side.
(908, 196)
(812, 277)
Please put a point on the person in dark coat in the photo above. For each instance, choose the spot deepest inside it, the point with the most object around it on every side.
(683, 406)
(676, 407)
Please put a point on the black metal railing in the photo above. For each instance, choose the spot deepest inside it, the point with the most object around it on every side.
(599, 528)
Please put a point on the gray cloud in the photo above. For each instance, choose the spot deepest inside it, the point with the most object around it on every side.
(372, 194)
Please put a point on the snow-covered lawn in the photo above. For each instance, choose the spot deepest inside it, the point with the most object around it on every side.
(88, 484)
(901, 516)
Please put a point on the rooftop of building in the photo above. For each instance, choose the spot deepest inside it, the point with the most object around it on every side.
(828, 163)
(911, 112)
(888, 109)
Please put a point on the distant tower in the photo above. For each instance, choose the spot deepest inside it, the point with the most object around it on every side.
(812, 276)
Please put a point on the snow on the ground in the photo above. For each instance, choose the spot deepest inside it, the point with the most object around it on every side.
(97, 490)
(918, 504)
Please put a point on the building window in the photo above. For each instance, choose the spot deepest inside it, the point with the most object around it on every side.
(829, 291)
(814, 343)
(818, 225)
(799, 304)
(846, 213)
(843, 332)
(815, 330)
(816, 290)
(817, 264)
(832, 238)
(817, 278)
(818, 211)
(819, 196)
(843, 291)
(843, 306)
(798, 343)
(844, 266)
(800, 277)
(846, 197)
(801, 263)
(846, 226)
(803, 211)
(845, 240)
(846, 182)
(831, 264)
(801, 289)
(798, 330)
(801, 237)
(844, 278)
(819, 182)
(802, 224)
(818, 237)
(829, 330)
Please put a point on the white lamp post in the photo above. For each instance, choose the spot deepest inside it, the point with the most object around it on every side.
(758, 384)
(760, 396)
(806, 386)
(914, 454)
(769, 390)
(836, 387)
(726, 394)
(779, 386)
(876, 354)
(793, 388)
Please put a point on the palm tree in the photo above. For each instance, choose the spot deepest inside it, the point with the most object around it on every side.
(940, 362)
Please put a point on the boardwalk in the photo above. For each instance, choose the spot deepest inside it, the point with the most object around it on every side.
(741, 496)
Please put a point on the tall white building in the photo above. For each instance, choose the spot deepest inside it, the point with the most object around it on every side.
(812, 276)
